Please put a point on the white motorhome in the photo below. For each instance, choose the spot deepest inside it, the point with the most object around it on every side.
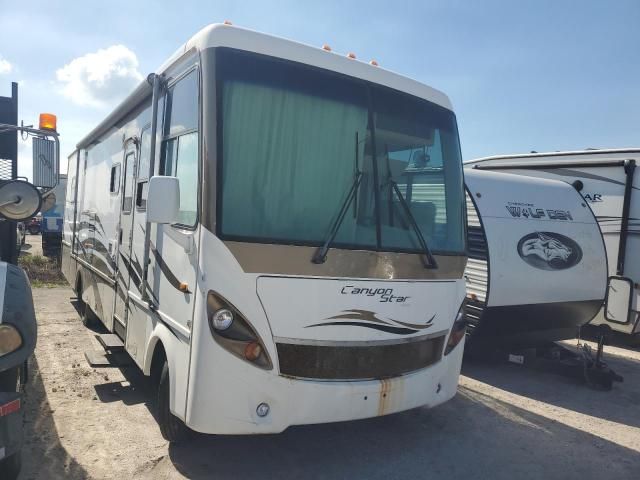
(277, 233)
(537, 268)
(606, 180)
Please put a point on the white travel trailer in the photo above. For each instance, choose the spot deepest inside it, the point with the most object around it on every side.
(537, 267)
(253, 223)
(606, 180)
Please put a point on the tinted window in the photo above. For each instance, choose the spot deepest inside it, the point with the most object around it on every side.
(143, 170)
(179, 152)
(181, 113)
(127, 199)
(114, 184)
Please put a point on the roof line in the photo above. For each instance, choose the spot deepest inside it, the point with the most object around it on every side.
(565, 153)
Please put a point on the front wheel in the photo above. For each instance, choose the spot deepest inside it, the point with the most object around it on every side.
(172, 428)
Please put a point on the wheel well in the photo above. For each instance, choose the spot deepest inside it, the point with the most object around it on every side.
(157, 362)
(78, 285)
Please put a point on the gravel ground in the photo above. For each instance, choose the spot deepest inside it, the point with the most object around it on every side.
(505, 423)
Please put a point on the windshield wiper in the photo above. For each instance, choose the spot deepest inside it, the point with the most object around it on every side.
(321, 254)
(428, 259)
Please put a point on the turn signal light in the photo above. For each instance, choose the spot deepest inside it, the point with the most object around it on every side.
(48, 121)
(458, 331)
(252, 351)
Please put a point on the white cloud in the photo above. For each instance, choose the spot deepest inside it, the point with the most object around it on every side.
(101, 78)
(5, 66)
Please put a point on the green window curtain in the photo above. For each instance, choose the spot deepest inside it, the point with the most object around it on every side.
(289, 160)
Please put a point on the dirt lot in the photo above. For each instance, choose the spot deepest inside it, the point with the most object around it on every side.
(505, 422)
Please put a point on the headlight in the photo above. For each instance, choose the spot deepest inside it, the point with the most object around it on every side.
(234, 332)
(10, 339)
(222, 319)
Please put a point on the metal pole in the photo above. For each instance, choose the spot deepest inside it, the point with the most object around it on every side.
(155, 97)
(629, 169)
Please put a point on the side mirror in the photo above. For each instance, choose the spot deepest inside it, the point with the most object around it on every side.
(163, 200)
(617, 303)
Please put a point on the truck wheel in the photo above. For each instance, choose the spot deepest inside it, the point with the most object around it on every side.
(10, 466)
(171, 427)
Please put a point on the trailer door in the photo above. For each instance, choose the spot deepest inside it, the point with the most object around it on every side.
(124, 237)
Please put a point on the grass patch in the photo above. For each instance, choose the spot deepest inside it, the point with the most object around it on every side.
(43, 272)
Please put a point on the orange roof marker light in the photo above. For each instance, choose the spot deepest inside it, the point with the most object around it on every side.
(374, 63)
(227, 22)
(351, 55)
(326, 48)
(48, 121)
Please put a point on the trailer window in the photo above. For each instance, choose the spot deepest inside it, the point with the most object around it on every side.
(114, 184)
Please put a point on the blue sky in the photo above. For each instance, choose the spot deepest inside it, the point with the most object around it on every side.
(522, 75)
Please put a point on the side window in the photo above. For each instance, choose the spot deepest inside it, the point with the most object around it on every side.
(143, 171)
(179, 150)
(127, 199)
(114, 184)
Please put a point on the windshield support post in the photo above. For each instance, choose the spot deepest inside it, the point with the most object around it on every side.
(376, 175)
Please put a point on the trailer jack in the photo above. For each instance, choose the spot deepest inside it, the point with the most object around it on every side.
(582, 365)
(596, 372)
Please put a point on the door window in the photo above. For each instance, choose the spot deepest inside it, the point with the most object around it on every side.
(127, 199)
(143, 171)
(179, 153)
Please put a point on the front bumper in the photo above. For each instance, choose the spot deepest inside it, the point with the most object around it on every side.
(224, 400)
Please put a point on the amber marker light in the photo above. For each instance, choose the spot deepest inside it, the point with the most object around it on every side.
(48, 121)
(227, 22)
(351, 55)
(326, 48)
(252, 351)
(374, 63)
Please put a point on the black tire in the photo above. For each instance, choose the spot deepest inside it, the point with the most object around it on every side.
(172, 428)
(10, 466)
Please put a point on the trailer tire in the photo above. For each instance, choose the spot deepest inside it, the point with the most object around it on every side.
(10, 466)
(172, 428)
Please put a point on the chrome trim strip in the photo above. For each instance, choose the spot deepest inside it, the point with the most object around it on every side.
(372, 343)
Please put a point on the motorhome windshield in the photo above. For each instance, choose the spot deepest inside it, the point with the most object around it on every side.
(293, 140)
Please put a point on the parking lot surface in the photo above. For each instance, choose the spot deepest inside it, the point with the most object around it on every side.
(506, 422)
